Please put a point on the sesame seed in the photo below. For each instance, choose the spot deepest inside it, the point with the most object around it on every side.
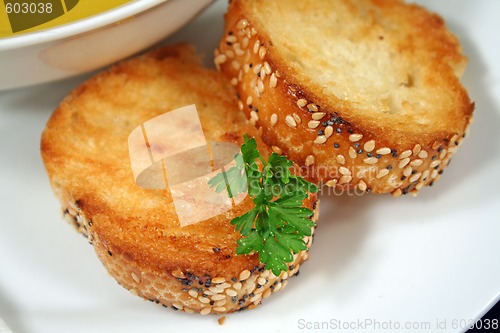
(262, 52)
(297, 118)
(220, 59)
(262, 74)
(362, 185)
(256, 47)
(273, 81)
(136, 277)
(436, 144)
(267, 293)
(416, 149)
(178, 274)
(224, 285)
(345, 179)
(260, 86)
(277, 150)
(312, 107)
(313, 123)
(397, 193)
(220, 309)
(229, 54)
(256, 298)
(382, 173)
(218, 297)
(216, 290)
(242, 24)
(340, 159)
(290, 121)
(416, 163)
(443, 154)
(423, 154)
(193, 293)
(318, 115)
(237, 286)
(370, 160)
(277, 287)
(384, 151)
(234, 82)
(355, 137)
(239, 52)
(328, 131)
(221, 302)
(218, 280)
(203, 300)
(419, 186)
(267, 68)
(407, 171)
(249, 100)
(352, 153)
(369, 145)
(405, 154)
(262, 281)
(256, 68)
(205, 311)
(254, 115)
(244, 42)
(274, 119)
(244, 275)
(344, 170)
(331, 182)
(434, 174)
(425, 175)
(403, 162)
(415, 177)
(336, 145)
(309, 160)
(320, 140)
(231, 39)
(301, 103)
(231, 292)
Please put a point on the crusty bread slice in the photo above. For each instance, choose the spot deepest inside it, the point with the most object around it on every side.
(361, 93)
(134, 230)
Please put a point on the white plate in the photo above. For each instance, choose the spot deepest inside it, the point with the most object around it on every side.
(432, 259)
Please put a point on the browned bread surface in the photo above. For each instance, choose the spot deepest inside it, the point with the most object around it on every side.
(135, 231)
(359, 93)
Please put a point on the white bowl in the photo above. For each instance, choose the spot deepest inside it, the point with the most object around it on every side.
(90, 43)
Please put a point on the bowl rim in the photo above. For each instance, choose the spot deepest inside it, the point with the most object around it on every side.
(69, 29)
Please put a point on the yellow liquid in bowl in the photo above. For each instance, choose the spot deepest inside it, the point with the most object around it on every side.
(22, 16)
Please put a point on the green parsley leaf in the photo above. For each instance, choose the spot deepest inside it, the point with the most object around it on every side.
(276, 226)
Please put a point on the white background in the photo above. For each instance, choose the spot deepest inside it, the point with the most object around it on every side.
(435, 257)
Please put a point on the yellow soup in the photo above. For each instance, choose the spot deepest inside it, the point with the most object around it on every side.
(21, 16)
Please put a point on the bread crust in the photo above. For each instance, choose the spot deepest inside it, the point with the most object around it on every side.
(337, 141)
(134, 231)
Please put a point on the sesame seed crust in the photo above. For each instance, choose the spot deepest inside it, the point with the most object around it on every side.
(185, 290)
(383, 159)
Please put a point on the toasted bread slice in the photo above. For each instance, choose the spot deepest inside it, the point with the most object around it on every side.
(361, 93)
(134, 230)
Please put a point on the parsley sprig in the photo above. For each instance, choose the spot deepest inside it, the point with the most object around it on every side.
(276, 226)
